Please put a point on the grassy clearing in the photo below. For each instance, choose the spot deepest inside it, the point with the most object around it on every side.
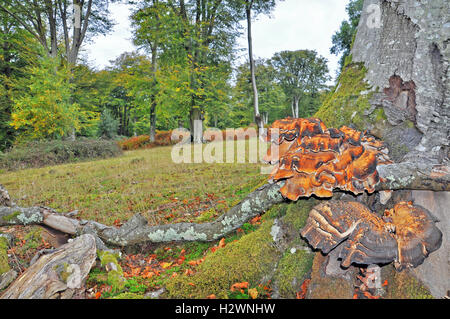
(142, 181)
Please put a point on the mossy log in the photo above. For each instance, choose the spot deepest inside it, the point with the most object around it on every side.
(56, 275)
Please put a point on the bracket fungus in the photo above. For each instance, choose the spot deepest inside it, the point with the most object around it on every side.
(315, 160)
(405, 234)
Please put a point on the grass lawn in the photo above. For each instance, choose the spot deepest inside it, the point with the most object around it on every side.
(142, 181)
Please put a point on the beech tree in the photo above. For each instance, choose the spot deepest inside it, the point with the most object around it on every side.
(300, 73)
(48, 21)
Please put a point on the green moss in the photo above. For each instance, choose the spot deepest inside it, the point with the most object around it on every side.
(292, 271)
(128, 295)
(347, 103)
(410, 124)
(402, 285)
(116, 280)
(62, 269)
(115, 276)
(298, 212)
(12, 216)
(327, 287)
(206, 216)
(379, 115)
(249, 259)
(33, 238)
(4, 266)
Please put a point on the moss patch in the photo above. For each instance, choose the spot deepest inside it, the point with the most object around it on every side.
(298, 212)
(347, 103)
(128, 295)
(249, 259)
(402, 285)
(12, 216)
(292, 271)
(327, 287)
(115, 276)
(4, 266)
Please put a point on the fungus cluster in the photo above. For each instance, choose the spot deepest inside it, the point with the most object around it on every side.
(405, 234)
(313, 159)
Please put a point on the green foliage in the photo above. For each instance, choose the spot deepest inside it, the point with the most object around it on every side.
(108, 125)
(44, 153)
(292, 270)
(42, 104)
(302, 74)
(343, 38)
(272, 99)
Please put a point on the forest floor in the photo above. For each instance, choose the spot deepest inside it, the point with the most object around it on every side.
(144, 181)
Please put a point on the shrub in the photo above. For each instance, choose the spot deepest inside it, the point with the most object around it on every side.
(134, 143)
(162, 138)
(108, 125)
(45, 153)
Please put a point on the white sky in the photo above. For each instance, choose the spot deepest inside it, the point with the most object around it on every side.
(293, 25)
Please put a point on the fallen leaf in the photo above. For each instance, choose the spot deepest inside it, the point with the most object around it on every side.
(213, 296)
(98, 294)
(166, 265)
(239, 285)
(256, 220)
(222, 243)
(253, 293)
(188, 272)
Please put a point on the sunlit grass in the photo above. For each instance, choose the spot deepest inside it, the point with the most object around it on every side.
(142, 181)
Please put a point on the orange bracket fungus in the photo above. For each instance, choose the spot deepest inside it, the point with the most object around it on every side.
(405, 234)
(312, 159)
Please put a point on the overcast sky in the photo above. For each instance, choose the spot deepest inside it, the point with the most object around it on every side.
(293, 25)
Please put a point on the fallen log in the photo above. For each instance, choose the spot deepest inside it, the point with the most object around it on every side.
(136, 230)
(56, 275)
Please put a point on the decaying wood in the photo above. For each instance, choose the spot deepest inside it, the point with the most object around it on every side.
(5, 199)
(405, 235)
(56, 275)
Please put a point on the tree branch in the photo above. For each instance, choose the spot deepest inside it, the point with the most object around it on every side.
(136, 230)
(414, 176)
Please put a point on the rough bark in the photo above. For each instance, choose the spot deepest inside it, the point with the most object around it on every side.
(414, 176)
(56, 275)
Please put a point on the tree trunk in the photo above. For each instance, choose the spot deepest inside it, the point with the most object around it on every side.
(196, 117)
(152, 121)
(258, 118)
(153, 95)
(295, 106)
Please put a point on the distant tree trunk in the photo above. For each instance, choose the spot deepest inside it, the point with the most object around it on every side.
(258, 118)
(154, 48)
(295, 106)
(196, 117)
(153, 95)
(153, 120)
